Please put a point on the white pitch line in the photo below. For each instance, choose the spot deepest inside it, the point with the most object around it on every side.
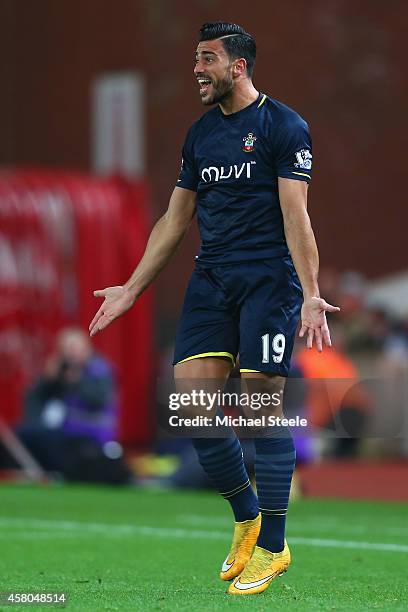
(115, 530)
(36, 535)
(315, 524)
(357, 545)
(110, 529)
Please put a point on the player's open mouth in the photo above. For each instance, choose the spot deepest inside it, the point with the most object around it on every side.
(204, 86)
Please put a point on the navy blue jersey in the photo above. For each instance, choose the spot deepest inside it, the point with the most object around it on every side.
(233, 163)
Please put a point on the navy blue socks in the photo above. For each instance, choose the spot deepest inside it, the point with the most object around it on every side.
(221, 459)
(274, 465)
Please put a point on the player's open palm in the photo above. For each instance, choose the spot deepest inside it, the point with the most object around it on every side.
(117, 301)
(314, 322)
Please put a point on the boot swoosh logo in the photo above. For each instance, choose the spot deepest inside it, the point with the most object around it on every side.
(226, 566)
(250, 585)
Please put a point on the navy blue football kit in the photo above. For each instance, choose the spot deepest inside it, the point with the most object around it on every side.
(244, 295)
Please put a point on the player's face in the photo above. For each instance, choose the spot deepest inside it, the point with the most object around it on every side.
(213, 71)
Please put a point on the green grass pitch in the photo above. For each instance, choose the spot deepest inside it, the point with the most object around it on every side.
(123, 549)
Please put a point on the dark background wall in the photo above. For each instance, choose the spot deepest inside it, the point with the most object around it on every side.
(340, 64)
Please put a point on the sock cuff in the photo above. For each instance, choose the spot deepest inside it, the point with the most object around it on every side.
(273, 512)
(237, 490)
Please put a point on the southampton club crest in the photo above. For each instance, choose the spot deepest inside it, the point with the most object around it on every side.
(249, 143)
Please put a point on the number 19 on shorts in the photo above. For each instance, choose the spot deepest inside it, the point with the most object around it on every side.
(278, 348)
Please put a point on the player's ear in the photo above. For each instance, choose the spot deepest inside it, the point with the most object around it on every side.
(239, 67)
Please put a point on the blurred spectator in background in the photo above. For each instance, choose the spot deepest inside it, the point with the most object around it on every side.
(295, 404)
(70, 413)
(337, 400)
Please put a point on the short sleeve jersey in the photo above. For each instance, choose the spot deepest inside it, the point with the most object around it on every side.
(233, 163)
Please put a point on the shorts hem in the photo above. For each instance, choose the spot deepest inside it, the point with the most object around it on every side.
(209, 354)
(270, 370)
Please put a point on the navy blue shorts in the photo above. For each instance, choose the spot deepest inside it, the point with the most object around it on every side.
(251, 309)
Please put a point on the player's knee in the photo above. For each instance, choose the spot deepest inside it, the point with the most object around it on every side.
(265, 393)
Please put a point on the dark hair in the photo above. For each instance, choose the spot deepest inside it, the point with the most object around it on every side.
(238, 44)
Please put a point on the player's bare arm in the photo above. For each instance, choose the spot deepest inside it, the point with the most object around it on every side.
(303, 249)
(163, 242)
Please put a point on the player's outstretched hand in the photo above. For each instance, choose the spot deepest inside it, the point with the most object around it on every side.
(117, 301)
(314, 322)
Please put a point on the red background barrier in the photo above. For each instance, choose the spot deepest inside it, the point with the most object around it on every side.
(355, 480)
(62, 236)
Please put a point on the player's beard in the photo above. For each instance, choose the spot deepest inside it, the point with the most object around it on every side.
(220, 91)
